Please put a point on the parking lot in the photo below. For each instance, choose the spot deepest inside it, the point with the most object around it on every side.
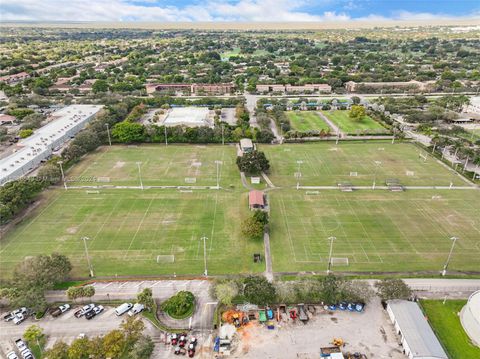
(370, 333)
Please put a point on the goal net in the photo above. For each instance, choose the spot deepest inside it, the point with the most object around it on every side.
(166, 258)
(339, 261)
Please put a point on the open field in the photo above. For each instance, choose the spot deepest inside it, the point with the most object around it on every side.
(347, 125)
(376, 231)
(325, 164)
(306, 121)
(129, 228)
(446, 324)
(160, 166)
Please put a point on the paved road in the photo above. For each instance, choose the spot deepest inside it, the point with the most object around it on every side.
(162, 290)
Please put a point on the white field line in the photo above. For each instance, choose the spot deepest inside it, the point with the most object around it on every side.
(139, 226)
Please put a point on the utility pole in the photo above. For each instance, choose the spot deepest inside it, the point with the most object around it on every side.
(218, 163)
(166, 138)
(205, 273)
(63, 175)
(393, 137)
(444, 271)
(88, 257)
(338, 137)
(108, 133)
(298, 174)
(330, 254)
(140, 174)
(223, 138)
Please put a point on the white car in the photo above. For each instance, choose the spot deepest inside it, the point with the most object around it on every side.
(137, 308)
(27, 354)
(19, 318)
(98, 309)
(12, 355)
(20, 344)
(84, 310)
(13, 314)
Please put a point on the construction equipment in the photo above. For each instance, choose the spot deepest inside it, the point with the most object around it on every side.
(191, 347)
(183, 340)
(338, 342)
(302, 315)
(180, 351)
(174, 339)
(293, 314)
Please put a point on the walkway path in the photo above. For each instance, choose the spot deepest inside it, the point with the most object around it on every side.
(268, 257)
(334, 127)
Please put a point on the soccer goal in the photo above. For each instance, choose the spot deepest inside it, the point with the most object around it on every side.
(339, 261)
(166, 258)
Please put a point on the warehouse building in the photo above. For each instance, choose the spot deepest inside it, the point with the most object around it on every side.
(417, 337)
(189, 117)
(470, 317)
(37, 148)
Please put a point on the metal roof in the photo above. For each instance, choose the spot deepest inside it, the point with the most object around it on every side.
(415, 329)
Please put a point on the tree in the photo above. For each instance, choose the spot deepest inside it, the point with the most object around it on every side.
(258, 290)
(252, 228)
(128, 132)
(79, 349)
(58, 351)
(226, 291)
(25, 133)
(145, 297)
(261, 216)
(132, 329)
(143, 348)
(393, 288)
(50, 172)
(253, 162)
(74, 293)
(357, 113)
(95, 348)
(114, 343)
(100, 86)
(33, 334)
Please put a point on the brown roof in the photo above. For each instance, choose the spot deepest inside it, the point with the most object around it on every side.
(255, 198)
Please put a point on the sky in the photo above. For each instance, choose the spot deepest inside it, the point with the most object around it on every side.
(236, 10)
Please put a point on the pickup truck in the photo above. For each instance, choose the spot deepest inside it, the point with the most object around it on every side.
(60, 310)
(95, 311)
(10, 316)
(84, 310)
(19, 318)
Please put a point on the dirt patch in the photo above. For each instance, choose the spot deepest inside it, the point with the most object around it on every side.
(119, 164)
(72, 230)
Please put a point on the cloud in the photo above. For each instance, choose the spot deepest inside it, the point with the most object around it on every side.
(207, 10)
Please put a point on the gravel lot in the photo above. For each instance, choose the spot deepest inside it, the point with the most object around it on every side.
(370, 333)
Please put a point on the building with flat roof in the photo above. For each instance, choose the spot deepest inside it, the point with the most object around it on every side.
(246, 145)
(188, 116)
(417, 337)
(470, 318)
(31, 151)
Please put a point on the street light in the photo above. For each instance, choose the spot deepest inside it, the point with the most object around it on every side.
(223, 138)
(218, 163)
(108, 133)
(166, 137)
(377, 164)
(330, 254)
(205, 273)
(86, 254)
(63, 174)
(140, 174)
(444, 271)
(298, 174)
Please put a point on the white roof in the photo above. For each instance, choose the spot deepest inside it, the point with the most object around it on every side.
(246, 143)
(43, 138)
(196, 116)
(415, 329)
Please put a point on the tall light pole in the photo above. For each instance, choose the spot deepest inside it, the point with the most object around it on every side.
(88, 257)
(140, 174)
(223, 138)
(330, 254)
(393, 137)
(108, 133)
(218, 163)
(63, 175)
(298, 174)
(166, 137)
(444, 271)
(377, 164)
(204, 238)
(338, 137)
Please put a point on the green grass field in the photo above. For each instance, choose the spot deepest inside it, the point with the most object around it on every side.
(325, 164)
(376, 231)
(160, 166)
(446, 324)
(130, 228)
(349, 126)
(307, 121)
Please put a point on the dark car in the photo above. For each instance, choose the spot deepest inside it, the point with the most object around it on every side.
(90, 315)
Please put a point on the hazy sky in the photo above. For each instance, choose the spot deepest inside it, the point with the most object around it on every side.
(235, 10)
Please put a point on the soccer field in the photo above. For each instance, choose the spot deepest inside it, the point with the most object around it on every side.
(174, 165)
(349, 126)
(128, 229)
(307, 121)
(327, 164)
(376, 231)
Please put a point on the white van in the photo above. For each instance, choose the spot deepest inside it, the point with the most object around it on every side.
(122, 309)
(137, 308)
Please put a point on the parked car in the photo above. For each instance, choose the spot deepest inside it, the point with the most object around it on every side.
(84, 310)
(60, 310)
(27, 354)
(137, 308)
(122, 309)
(10, 316)
(12, 355)
(95, 311)
(19, 318)
(20, 344)
(343, 306)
